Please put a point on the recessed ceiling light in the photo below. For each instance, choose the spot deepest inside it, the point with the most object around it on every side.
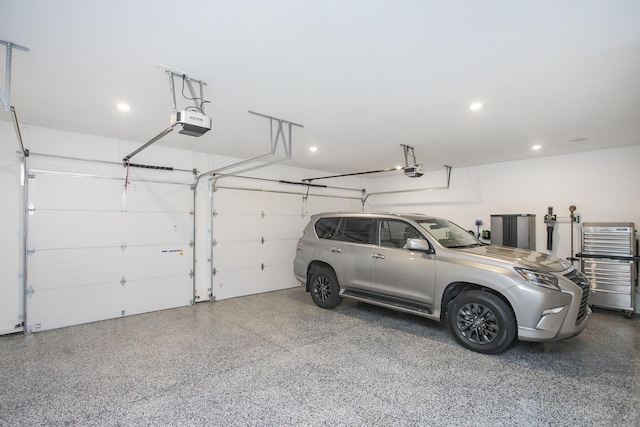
(536, 147)
(313, 149)
(475, 106)
(123, 107)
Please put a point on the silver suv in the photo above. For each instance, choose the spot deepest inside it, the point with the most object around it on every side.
(433, 268)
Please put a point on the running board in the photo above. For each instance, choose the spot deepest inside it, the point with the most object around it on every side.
(388, 302)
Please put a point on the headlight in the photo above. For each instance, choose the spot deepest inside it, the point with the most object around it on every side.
(566, 265)
(540, 279)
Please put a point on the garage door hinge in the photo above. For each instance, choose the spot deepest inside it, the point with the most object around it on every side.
(30, 292)
(31, 250)
(263, 214)
(214, 243)
(123, 281)
(214, 213)
(191, 243)
(262, 240)
(32, 209)
(262, 266)
(191, 274)
(214, 271)
(123, 246)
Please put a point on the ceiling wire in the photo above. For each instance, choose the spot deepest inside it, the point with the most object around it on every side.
(198, 98)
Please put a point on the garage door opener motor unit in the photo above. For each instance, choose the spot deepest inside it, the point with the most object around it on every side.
(192, 120)
(415, 170)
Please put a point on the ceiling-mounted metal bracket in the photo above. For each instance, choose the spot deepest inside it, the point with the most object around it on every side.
(5, 95)
(448, 169)
(408, 151)
(279, 133)
(189, 82)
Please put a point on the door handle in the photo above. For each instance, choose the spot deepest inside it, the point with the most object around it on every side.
(335, 250)
(377, 256)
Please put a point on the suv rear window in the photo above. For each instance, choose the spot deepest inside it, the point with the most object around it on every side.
(355, 230)
(326, 227)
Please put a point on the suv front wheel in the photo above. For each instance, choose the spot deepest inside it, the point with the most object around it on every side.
(482, 322)
(324, 288)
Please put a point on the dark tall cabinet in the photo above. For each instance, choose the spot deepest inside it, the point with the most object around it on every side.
(515, 230)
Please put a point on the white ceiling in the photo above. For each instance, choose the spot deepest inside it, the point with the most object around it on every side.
(362, 76)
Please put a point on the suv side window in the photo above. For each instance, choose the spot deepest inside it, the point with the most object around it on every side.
(326, 227)
(356, 230)
(394, 233)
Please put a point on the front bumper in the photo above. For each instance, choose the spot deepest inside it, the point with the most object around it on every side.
(553, 327)
(550, 315)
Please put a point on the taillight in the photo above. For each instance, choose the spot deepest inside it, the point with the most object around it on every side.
(299, 246)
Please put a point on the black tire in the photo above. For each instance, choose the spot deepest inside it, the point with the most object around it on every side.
(482, 322)
(324, 288)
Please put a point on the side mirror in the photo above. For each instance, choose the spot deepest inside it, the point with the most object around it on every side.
(419, 245)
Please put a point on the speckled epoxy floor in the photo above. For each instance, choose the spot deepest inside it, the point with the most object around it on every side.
(276, 359)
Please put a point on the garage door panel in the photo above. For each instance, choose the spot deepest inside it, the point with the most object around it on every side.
(231, 284)
(157, 261)
(158, 293)
(251, 227)
(236, 255)
(156, 228)
(280, 277)
(282, 204)
(236, 283)
(238, 202)
(282, 225)
(293, 233)
(70, 193)
(62, 268)
(73, 229)
(65, 229)
(279, 252)
(50, 309)
(158, 197)
(239, 227)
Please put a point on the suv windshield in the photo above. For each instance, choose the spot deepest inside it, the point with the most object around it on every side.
(449, 234)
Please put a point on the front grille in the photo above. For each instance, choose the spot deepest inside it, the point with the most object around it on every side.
(581, 281)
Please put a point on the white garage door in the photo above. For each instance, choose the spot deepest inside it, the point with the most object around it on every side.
(254, 237)
(90, 261)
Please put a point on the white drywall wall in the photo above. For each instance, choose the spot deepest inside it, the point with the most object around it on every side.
(10, 231)
(601, 184)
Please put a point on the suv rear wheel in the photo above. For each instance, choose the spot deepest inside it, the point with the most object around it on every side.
(482, 322)
(324, 288)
